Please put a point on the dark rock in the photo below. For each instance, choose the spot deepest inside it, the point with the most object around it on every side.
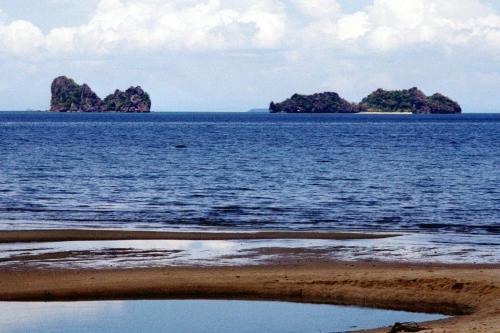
(68, 96)
(134, 99)
(327, 102)
(406, 327)
(180, 146)
(412, 100)
(442, 104)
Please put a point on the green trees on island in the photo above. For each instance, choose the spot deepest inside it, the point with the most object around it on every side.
(327, 102)
(383, 101)
(68, 96)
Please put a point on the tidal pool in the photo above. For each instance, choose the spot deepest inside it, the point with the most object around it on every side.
(194, 316)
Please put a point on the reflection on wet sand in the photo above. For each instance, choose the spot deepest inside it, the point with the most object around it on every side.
(155, 253)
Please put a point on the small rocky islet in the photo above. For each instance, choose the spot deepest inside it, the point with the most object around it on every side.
(380, 101)
(68, 96)
(327, 102)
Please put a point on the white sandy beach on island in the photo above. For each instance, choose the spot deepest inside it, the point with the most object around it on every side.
(387, 113)
(472, 292)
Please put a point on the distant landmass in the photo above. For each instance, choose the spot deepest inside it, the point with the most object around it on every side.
(258, 110)
(68, 96)
(411, 101)
(327, 102)
(380, 101)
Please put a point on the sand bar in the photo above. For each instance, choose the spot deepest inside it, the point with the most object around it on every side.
(17, 236)
(470, 290)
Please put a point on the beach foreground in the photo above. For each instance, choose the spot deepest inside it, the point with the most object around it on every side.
(59, 235)
(470, 291)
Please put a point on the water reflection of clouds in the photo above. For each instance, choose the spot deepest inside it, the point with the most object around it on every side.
(145, 253)
(34, 316)
(176, 316)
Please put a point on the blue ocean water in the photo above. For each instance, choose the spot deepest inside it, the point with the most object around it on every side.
(436, 173)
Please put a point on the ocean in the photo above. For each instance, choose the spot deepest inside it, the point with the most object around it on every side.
(220, 171)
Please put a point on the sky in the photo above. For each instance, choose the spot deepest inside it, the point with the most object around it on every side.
(234, 55)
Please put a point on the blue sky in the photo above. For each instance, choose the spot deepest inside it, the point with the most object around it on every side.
(233, 55)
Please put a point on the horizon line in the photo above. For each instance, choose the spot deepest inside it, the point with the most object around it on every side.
(207, 111)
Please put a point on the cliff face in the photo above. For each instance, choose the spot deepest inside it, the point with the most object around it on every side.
(412, 100)
(327, 102)
(134, 99)
(68, 96)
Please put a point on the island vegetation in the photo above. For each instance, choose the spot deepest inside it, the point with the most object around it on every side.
(327, 102)
(68, 96)
(408, 101)
(411, 101)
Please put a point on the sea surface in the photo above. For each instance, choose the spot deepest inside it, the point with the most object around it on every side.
(425, 173)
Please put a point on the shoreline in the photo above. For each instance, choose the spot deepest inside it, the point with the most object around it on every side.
(386, 113)
(470, 290)
(64, 235)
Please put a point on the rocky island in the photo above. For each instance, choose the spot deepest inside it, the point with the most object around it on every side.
(68, 96)
(327, 102)
(408, 101)
(380, 101)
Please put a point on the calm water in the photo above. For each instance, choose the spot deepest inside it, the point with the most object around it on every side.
(432, 173)
(194, 317)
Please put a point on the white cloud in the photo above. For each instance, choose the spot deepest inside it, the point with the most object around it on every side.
(20, 37)
(270, 22)
(396, 24)
(152, 25)
(353, 26)
(387, 25)
(319, 8)
(149, 26)
(173, 25)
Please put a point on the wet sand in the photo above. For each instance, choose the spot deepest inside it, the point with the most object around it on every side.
(472, 291)
(56, 235)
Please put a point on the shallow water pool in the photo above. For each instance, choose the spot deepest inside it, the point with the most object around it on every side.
(194, 316)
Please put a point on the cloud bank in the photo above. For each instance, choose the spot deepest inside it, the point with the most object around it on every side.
(147, 26)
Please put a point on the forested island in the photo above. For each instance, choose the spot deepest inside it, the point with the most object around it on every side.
(68, 96)
(380, 101)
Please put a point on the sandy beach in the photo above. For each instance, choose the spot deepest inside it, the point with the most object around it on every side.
(385, 113)
(26, 236)
(472, 292)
